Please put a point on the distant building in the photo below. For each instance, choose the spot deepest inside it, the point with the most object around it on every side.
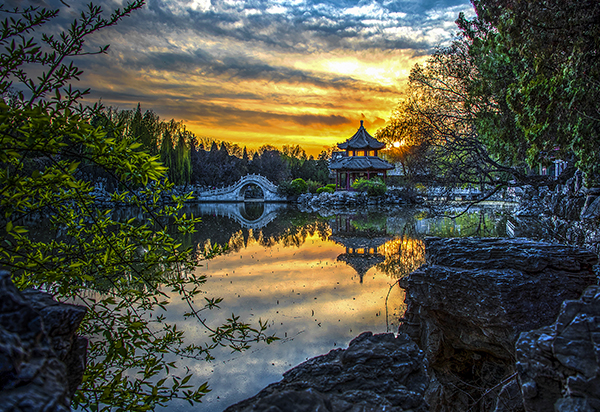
(358, 160)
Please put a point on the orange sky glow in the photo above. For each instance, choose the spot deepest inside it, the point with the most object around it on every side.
(279, 72)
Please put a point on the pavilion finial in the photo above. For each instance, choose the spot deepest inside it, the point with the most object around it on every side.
(361, 123)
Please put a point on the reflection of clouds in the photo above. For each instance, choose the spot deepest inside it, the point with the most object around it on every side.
(311, 302)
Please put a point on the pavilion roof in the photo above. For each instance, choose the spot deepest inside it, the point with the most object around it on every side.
(360, 163)
(361, 140)
(361, 263)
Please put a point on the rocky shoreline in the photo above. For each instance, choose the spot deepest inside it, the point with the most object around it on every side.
(470, 339)
(492, 325)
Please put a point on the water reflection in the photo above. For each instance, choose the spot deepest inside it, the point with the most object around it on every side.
(364, 237)
(249, 215)
(318, 279)
(312, 301)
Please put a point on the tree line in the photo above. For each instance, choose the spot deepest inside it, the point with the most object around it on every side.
(190, 159)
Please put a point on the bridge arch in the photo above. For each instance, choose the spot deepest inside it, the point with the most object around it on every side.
(238, 212)
(235, 192)
(250, 188)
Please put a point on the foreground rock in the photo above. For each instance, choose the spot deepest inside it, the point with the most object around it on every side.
(375, 373)
(559, 365)
(41, 359)
(468, 305)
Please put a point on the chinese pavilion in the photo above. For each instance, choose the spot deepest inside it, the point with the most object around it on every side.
(358, 160)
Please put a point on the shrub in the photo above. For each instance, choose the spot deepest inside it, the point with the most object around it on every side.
(299, 186)
(326, 189)
(372, 187)
(294, 188)
(285, 189)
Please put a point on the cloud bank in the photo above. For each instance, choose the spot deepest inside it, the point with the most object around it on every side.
(257, 72)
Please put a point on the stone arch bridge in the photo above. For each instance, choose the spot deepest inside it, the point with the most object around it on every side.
(236, 192)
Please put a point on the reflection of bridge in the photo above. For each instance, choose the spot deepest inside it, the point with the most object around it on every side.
(237, 212)
(236, 192)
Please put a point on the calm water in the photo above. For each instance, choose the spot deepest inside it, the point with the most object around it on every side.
(318, 279)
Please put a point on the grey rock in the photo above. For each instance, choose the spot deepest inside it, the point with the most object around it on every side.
(469, 303)
(375, 373)
(563, 360)
(41, 359)
(493, 289)
(510, 398)
(591, 209)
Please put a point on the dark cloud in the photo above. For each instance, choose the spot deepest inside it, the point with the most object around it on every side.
(307, 26)
(222, 115)
(201, 63)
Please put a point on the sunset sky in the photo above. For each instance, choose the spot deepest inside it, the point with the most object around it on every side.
(265, 72)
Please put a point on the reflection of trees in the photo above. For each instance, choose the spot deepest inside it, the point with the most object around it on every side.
(296, 236)
(402, 256)
(371, 222)
(405, 253)
(237, 241)
(483, 223)
(291, 229)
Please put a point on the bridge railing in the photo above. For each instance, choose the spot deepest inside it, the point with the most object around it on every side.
(224, 190)
(214, 192)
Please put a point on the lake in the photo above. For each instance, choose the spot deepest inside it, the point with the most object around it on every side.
(318, 279)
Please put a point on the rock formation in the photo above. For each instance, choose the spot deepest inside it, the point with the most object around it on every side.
(375, 373)
(559, 365)
(468, 305)
(41, 359)
(569, 213)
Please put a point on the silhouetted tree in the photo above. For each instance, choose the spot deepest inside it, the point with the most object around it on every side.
(268, 163)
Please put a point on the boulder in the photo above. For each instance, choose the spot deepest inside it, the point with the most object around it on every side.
(559, 365)
(42, 360)
(469, 303)
(379, 372)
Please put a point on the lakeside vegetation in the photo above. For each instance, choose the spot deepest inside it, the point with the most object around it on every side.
(516, 91)
(49, 145)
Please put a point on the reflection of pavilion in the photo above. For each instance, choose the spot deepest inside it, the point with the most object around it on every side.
(361, 246)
